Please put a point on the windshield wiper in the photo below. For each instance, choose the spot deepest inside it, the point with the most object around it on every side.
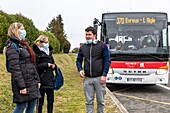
(134, 55)
(122, 56)
(158, 58)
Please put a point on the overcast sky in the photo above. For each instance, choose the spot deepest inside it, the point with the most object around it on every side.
(77, 14)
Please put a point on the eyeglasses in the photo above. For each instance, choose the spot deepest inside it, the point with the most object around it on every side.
(43, 42)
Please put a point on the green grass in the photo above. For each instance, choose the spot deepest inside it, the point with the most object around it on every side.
(69, 99)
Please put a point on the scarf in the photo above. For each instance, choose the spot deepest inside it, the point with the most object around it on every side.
(44, 50)
(32, 54)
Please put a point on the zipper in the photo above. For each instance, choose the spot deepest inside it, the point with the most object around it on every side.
(42, 73)
(91, 60)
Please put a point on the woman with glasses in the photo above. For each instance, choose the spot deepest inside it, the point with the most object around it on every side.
(45, 66)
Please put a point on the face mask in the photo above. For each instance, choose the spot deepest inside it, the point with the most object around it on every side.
(46, 45)
(149, 41)
(95, 41)
(22, 34)
(89, 41)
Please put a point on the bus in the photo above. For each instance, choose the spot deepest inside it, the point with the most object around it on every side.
(138, 44)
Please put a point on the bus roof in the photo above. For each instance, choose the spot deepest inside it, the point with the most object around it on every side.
(134, 13)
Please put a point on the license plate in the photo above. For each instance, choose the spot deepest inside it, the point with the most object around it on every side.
(134, 79)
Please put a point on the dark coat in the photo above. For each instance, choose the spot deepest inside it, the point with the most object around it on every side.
(96, 59)
(45, 72)
(23, 72)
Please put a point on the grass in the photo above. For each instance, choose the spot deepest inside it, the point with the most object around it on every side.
(69, 99)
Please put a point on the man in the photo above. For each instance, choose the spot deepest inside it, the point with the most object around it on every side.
(96, 65)
(148, 42)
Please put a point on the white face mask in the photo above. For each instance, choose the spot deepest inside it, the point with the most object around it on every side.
(95, 41)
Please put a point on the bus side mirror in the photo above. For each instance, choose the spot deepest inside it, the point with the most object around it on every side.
(96, 23)
(107, 41)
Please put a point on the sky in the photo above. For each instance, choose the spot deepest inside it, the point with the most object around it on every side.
(77, 14)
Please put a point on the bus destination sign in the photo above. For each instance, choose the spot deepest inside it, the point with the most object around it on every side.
(127, 20)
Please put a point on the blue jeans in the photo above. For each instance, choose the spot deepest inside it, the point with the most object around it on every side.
(50, 100)
(28, 105)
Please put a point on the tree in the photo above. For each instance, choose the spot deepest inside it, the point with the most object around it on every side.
(75, 50)
(56, 27)
(32, 31)
(53, 41)
(66, 46)
(56, 35)
(7, 19)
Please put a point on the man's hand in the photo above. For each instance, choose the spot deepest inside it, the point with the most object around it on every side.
(82, 73)
(103, 80)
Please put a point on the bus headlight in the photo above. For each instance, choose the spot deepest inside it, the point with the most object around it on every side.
(161, 71)
(111, 71)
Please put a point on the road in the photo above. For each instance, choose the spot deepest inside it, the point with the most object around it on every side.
(169, 81)
(142, 98)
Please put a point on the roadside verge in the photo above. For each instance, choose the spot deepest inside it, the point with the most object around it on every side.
(116, 101)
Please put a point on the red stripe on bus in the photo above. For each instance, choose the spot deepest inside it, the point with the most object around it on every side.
(126, 64)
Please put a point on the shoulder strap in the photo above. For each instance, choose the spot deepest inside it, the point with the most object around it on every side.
(16, 47)
(17, 50)
(102, 44)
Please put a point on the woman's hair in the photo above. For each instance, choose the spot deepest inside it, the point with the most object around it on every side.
(13, 29)
(13, 32)
(41, 38)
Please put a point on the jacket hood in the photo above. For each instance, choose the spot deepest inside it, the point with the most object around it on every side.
(13, 39)
(7, 43)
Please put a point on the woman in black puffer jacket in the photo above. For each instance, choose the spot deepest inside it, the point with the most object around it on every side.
(24, 76)
(45, 67)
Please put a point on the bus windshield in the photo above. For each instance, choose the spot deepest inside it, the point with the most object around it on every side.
(136, 34)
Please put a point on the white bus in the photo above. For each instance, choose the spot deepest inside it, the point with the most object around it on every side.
(138, 43)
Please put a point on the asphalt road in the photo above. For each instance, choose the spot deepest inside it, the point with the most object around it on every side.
(169, 82)
(142, 98)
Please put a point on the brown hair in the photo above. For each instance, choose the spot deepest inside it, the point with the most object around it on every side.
(92, 29)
